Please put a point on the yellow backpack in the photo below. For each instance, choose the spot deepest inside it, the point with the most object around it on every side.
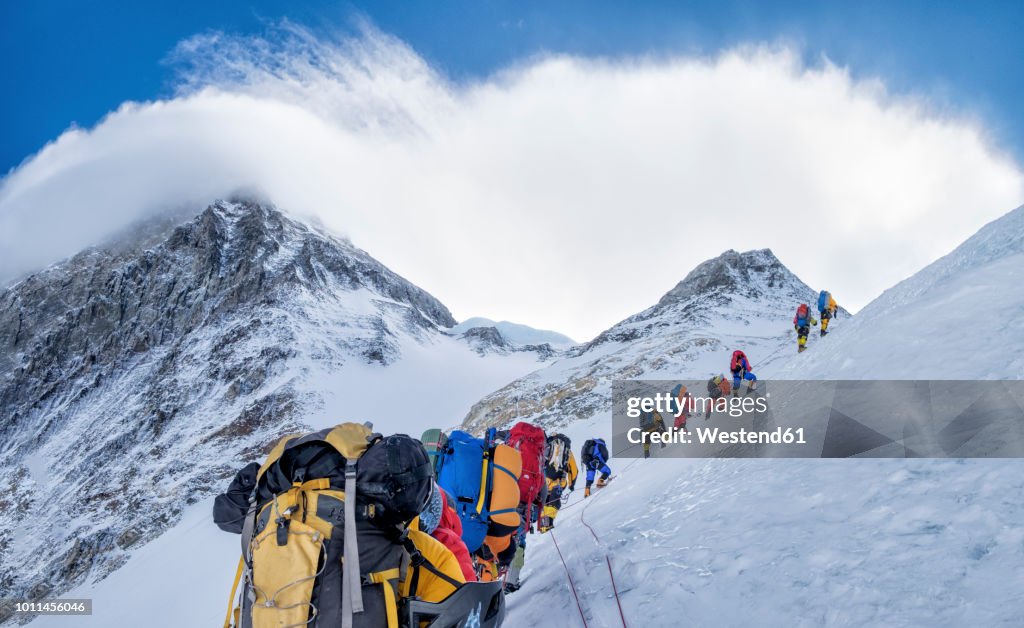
(324, 543)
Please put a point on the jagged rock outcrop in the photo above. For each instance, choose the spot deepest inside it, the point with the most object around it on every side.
(488, 340)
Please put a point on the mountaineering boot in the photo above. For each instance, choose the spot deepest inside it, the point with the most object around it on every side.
(647, 453)
(586, 492)
(512, 581)
(601, 481)
(752, 386)
(801, 348)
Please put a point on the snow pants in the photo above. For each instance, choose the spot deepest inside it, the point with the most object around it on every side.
(738, 376)
(592, 470)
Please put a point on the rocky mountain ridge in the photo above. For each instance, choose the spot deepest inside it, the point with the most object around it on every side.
(136, 376)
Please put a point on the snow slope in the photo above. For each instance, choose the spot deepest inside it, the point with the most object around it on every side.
(819, 542)
(962, 317)
(181, 579)
(702, 543)
(786, 543)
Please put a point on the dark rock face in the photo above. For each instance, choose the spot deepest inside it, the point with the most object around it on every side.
(488, 340)
(749, 274)
(135, 377)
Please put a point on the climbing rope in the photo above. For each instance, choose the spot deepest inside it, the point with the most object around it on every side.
(611, 574)
(568, 574)
(607, 559)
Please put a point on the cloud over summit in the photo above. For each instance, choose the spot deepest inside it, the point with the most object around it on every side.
(564, 192)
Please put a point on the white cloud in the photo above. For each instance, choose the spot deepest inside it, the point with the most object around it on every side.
(565, 193)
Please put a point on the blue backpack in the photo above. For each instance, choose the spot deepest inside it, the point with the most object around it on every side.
(823, 297)
(463, 473)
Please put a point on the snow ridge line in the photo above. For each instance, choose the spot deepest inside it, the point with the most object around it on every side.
(568, 574)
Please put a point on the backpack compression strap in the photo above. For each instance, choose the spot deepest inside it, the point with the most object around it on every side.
(351, 587)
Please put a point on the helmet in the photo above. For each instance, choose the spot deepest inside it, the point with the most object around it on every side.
(473, 604)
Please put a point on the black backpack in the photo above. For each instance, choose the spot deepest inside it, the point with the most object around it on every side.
(559, 448)
(587, 453)
(299, 525)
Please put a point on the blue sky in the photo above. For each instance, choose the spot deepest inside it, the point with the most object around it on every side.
(70, 62)
(510, 155)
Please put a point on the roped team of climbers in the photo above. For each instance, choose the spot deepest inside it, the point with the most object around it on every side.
(432, 531)
(345, 527)
(803, 320)
(455, 509)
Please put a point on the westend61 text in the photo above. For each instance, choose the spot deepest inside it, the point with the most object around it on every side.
(713, 435)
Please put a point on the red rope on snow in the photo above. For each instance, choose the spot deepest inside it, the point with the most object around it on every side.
(611, 574)
(569, 575)
(608, 561)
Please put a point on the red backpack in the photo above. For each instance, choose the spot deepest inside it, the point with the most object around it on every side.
(737, 357)
(531, 442)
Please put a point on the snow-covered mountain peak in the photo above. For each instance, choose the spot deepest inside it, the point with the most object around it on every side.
(273, 250)
(751, 273)
(146, 370)
(736, 300)
(736, 287)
